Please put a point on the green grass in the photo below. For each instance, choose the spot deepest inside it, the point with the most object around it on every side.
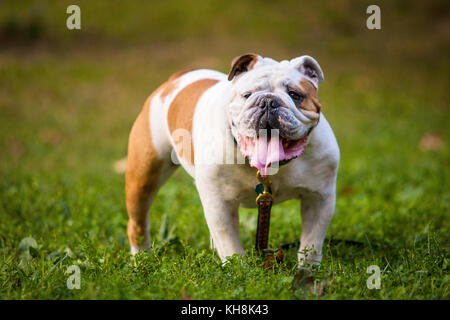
(68, 100)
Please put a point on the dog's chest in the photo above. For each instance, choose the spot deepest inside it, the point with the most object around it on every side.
(291, 180)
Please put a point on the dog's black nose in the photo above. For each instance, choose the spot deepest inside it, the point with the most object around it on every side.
(268, 101)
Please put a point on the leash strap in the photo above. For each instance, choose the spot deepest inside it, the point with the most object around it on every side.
(262, 229)
(264, 202)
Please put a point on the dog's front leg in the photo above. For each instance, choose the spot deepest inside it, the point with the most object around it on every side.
(317, 210)
(222, 217)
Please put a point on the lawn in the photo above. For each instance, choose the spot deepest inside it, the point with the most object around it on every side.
(68, 100)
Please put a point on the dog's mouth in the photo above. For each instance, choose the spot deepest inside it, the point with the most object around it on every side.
(265, 150)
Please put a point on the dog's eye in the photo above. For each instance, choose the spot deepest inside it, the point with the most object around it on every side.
(295, 96)
(247, 95)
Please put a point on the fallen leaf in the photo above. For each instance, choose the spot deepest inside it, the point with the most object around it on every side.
(184, 295)
(346, 190)
(120, 165)
(431, 142)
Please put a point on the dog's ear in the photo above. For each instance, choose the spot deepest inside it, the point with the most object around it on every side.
(242, 64)
(310, 68)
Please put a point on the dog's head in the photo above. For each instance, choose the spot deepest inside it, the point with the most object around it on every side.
(274, 107)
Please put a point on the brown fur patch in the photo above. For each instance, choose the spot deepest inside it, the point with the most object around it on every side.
(141, 176)
(311, 101)
(181, 111)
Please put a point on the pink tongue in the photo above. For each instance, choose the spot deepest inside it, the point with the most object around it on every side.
(265, 152)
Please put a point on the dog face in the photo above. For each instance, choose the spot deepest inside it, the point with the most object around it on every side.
(274, 106)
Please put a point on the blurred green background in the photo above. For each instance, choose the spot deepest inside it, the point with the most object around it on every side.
(68, 99)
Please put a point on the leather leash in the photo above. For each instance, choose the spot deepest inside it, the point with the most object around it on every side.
(264, 202)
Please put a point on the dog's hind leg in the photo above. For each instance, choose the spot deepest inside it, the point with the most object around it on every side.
(146, 171)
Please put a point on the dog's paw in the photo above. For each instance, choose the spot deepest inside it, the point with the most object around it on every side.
(304, 280)
(134, 250)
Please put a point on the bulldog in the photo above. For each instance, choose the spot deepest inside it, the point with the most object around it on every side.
(264, 115)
